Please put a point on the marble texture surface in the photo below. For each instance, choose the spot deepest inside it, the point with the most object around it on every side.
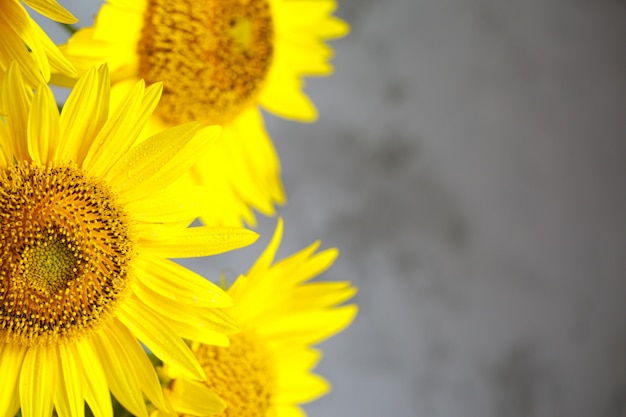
(469, 163)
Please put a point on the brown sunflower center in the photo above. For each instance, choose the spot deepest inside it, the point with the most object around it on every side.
(64, 253)
(212, 56)
(243, 374)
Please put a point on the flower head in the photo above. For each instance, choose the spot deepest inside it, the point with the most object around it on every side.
(267, 369)
(88, 220)
(220, 62)
(22, 40)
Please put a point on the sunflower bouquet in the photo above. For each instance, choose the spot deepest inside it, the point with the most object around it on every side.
(158, 153)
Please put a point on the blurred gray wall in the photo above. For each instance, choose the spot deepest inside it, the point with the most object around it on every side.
(469, 163)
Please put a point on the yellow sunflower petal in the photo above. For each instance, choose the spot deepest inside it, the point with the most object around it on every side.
(147, 376)
(15, 25)
(274, 282)
(161, 159)
(33, 41)
(297, 16)
(52, 10)
(191, 331)
(82, 57)
(56, 60)
(283, 96)
(199, 241)
(299, 52)
(263, 284)
(201, 318)
(239, 287)
(168, 206)
(266, 259)
(15, 16)
(160, 339)
(250, 140)
(11, 359)
(300, 388)
(309, 327)
(118, 134)
(320, 295)
(36, 393)
(289, 410)
(165, 277)
(296, 358)
(94, 380)
(120, 13)
(10, 50)
(16, 97)
(303, 271)
(120, 376)
(120, 371)
(43, 125)
(244, 171)
(69, 398)
(221, 206)
(194, 398)
(89, 96)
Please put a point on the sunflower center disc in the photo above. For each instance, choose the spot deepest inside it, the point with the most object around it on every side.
(50, 262)
(212, 56)
(242, 374)
(64, 254)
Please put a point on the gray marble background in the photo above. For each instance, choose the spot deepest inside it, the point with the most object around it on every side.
(469, 163)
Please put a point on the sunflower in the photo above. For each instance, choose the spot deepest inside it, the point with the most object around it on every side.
(266, 370)
(221, 62)
(22, 40)
(88, 220)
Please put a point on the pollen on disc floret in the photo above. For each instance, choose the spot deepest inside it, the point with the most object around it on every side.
(212, 56)
(64, 253)
(243, 374)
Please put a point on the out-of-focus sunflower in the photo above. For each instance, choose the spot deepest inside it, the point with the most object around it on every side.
(221, 62)
(88, 220)
(22, 40)
(267, 369)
